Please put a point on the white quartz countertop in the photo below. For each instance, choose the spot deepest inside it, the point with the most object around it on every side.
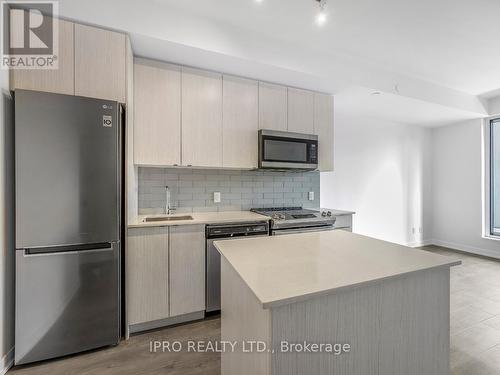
(201, 218)
(286, 269)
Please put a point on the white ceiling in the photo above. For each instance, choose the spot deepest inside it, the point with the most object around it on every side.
(429, 57)
(362, 102)
(450, 42)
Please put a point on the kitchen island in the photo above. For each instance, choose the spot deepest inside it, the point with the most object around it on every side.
(382, 306)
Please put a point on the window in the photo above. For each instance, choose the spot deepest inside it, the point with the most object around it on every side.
(495, 177)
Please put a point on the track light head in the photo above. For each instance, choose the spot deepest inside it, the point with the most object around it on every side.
(321, 17)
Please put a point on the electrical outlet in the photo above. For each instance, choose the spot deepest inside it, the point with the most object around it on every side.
(217, 197)
(311, 195)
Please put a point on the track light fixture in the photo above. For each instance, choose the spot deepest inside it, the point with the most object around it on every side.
(322, 14)
(321, 17)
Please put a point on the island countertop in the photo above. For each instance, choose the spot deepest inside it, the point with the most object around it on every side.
(286, 269)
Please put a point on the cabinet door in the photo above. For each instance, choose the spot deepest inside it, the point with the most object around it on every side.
(240, 123)
(300, 111)
(147, 275)
(60, 80)
(100, 59)
(131, 181)
(187, 269)
(157, 132)
(323, 128)
(201, 118)
(272, 107)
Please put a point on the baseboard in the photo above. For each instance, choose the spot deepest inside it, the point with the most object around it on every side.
(135, 328)
(7, 362)
(467, 249)
(420, 243)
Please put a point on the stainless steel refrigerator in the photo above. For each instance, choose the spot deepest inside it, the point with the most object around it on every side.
(68, 224)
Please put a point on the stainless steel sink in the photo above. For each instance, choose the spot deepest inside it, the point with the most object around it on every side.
(167, 218)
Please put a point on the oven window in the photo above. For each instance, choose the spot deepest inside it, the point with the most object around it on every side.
(285, 151)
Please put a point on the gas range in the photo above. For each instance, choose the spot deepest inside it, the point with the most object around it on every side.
(297, 219)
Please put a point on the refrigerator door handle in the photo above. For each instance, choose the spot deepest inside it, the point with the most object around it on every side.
(70, 249)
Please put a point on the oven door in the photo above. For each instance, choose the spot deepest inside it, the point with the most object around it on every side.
(280, 232)
(284, 150)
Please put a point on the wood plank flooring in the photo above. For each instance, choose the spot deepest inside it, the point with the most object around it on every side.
(474, 314)
(475, 335)
(133, 357)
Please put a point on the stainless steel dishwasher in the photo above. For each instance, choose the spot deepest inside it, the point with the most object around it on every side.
(224, 232)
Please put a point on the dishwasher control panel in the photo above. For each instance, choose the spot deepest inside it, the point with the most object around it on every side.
(237, 230)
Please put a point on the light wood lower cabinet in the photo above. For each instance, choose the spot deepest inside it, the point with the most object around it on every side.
(147, 275)
(165, 272)
(187, 269)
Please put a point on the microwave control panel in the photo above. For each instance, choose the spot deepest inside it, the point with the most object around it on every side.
(313, 153)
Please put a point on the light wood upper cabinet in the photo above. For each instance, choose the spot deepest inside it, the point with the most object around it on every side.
(91, 62)
(100, 58)
(300, 111)
(240, 123)
(323, 128)
(187, 269)
(272, 107)
(201, 118)
(191, 117)
(60, 80)
(147, 282)
(131, 180)
(157, 122)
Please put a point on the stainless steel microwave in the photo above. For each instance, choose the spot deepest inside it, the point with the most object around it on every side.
(286, 150)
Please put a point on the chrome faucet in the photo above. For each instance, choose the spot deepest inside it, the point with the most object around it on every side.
(168, 208)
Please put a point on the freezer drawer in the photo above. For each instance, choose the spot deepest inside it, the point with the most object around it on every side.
(67, 300)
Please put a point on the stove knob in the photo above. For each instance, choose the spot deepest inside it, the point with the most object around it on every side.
(329, 214)
(323, 214)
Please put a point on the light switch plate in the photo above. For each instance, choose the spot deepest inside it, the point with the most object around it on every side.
(217, 197)
(311, 195)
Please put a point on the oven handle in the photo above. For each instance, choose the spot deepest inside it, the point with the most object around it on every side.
(281, 232)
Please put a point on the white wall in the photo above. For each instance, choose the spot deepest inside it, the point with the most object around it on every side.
(382, 171)
(457, 207)
(6, 228)
(494, 106)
